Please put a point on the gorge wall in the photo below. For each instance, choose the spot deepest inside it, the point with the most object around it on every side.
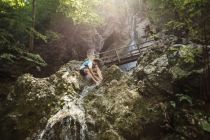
(115, 31)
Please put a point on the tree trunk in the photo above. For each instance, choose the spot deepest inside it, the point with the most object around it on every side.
(31, 41)
(206, 73)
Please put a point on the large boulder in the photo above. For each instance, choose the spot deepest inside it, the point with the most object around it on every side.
(170, 69)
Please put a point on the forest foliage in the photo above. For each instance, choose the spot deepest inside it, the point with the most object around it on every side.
(184, 18)
(81, 11)
(16, 18)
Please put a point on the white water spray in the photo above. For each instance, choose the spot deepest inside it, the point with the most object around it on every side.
(70, 120)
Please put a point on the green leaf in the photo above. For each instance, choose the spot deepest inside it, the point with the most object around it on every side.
(183, 97)
(205, 126)
(7, 57)
(173, 104)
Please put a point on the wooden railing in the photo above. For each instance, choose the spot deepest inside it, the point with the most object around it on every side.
(123, 55)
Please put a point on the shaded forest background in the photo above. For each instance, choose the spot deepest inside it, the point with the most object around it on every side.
(30, 29)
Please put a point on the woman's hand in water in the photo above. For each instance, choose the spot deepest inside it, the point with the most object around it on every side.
(98, 83)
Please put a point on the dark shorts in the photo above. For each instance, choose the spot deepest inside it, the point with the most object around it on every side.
(82, 72)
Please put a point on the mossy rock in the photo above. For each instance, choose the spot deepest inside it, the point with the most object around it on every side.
(113, 73)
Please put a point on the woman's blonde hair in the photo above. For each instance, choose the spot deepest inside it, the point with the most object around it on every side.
(90, 55)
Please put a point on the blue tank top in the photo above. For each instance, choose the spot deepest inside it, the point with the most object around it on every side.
(88, 63)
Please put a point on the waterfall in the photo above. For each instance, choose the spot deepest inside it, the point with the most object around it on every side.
(70, 122)
(133, 35)
(133, 44)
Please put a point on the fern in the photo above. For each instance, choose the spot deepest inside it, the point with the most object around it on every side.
(186, 98)
(7, 57)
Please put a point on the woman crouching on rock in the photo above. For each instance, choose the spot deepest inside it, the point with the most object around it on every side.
(90, 69)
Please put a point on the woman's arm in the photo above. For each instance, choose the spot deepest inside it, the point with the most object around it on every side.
(98, 71)
(93, 75)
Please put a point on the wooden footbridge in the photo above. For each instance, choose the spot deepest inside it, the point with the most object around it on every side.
(123, 55)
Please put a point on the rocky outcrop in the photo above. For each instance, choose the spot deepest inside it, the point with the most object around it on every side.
(159, 100)
(35, 100)
(171, 69)
(116, 110)
(172, 75)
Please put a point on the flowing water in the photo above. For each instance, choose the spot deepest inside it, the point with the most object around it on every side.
(70, 122)
(133, 45)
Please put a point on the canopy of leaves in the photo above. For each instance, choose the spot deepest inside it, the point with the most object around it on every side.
(18, 3)
(16, 26)
(14, 32)
(81, 11)
(182, 17)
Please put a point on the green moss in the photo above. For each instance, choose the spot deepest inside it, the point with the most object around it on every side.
(178, 73)
(114, 72)
(110, 135)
